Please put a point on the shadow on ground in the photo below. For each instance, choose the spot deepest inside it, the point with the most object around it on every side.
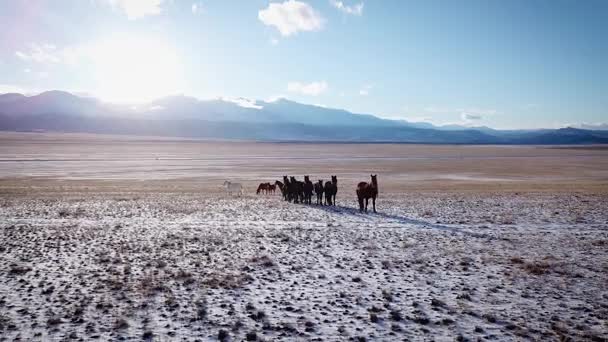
(370, 216)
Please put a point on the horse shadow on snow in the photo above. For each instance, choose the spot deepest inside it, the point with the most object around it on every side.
(370, 216)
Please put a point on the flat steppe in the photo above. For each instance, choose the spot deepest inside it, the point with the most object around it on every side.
(130, 238)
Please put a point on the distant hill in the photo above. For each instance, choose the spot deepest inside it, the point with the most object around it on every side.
(280, 120)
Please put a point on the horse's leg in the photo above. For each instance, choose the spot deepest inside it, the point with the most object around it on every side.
(360, 199)
(374, 203)
(366, 203)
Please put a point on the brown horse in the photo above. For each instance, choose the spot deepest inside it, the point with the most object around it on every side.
(296, 189)
(263, 188)
(307, 189)
(282, 188)
(319, 192)
(272, 188)
(331, 189)
(367, 191)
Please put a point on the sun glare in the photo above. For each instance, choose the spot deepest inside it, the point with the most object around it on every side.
(135, 69)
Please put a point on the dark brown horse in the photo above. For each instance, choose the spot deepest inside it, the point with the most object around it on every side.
(319, 192)
(331, 189)
(307, 190)
(282, 188)
(287, 187)
(296, 189)
(272, 188)
(263, 188)
(367, 191)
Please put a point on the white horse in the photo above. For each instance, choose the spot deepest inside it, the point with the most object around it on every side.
(233, 187)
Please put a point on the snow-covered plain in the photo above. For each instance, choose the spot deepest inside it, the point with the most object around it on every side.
(186, 266)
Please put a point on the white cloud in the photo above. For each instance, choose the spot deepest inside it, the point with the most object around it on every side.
(312, 89)
(364, 91)
(291, 17)
(470, 116)
(419, 119)
(9, 88)
(275, 98)
(50, 54)
(40, 53)
(197, 8)
(356, 9)
(136, 9)
(474, 111)
(243, 102)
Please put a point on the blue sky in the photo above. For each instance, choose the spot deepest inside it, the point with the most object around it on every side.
(504, 64)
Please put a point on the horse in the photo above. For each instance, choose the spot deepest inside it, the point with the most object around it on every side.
(282, 188)
(271, 188)
(233, 187)
(289, 189)
(319, 192)
(307, 189)
(297, 190)
(263, 188)
(367, 191)
(331, 189)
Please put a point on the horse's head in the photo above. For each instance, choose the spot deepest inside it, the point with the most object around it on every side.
(293, 179)
(374, 179)
(320, 182)
(334, 179)
(226, 183)
(306, 179)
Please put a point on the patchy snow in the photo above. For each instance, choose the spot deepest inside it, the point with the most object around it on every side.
(187, 266)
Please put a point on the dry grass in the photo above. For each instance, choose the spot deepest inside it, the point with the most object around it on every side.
(537, 268)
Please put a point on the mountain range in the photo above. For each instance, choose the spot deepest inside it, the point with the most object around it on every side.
(280, 120)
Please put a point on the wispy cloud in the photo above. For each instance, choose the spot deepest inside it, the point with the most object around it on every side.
(470, 117)
(312, 89)
(136, 9)
(46, 53)
(243, 102)
(197, 8)
(291, 17)
(364, 91)
(356, 9)
(9, 88)
(473, 111)
(40, 53)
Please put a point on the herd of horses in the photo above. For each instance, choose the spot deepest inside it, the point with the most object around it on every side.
(297, 191)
